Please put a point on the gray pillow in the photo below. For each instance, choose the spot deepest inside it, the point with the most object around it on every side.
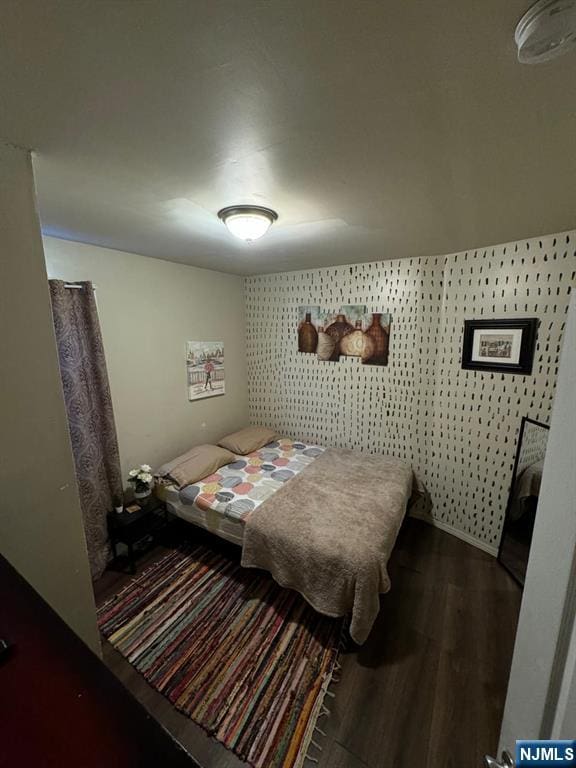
(248, 439)
(195, 464)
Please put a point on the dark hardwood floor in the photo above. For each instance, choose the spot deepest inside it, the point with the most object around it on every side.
(426, 691)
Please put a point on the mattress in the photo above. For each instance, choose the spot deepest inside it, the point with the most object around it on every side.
(221, 502)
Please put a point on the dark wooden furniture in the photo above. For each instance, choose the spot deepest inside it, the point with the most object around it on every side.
(131, 527)
(60, 706)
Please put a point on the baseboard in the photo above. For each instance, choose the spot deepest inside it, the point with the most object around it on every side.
(468, 538)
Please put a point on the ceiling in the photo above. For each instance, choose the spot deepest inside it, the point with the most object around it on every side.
(376, 128)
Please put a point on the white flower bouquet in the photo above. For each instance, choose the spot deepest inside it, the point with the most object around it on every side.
(141, 478)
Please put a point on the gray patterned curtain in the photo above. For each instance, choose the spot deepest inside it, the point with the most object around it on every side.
(89, 408)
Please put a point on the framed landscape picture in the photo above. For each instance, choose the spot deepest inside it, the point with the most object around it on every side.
(504, 346)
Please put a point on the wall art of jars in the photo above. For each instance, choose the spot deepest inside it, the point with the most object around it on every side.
(351, 331)
(339, 328)
(307, 335)
(379, 332)
(358, 344)
(326, 346)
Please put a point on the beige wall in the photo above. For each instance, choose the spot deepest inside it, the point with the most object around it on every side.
(458, 428)
(41, 531)
(148, 310)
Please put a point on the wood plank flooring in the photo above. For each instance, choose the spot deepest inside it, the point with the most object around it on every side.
(426, 691)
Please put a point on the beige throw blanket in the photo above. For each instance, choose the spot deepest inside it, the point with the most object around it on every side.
(328, 533)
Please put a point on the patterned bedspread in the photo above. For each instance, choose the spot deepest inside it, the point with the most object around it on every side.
(238, 488)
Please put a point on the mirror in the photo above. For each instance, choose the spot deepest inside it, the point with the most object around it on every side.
(523, 498)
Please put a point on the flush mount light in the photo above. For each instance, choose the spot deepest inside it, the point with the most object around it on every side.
(248, 222)
(547, 30)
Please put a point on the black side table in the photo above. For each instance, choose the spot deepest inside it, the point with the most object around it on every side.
(131, 527)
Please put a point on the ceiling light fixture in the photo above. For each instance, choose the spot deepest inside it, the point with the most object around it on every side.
(248, 222)
(547, 30)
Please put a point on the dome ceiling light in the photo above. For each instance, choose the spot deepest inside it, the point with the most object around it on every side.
(248, 222)
(547, 30)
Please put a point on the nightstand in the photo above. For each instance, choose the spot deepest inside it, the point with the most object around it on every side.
(131, 527)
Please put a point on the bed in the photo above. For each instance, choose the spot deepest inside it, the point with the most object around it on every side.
(321, 521)
(221, 502)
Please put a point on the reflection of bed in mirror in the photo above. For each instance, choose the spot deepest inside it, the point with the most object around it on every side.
(523, 498)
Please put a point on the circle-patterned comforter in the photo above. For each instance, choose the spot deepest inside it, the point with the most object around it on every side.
(236, 489)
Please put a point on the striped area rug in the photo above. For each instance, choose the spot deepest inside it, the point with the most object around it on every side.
(247, 660)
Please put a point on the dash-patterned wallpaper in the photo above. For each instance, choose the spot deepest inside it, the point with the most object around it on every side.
(458, 428)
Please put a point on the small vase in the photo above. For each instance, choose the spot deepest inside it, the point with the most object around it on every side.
(142, 494)
(307, 335)
(380, 337)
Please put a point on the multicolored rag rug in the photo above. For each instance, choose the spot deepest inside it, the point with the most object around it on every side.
(244, 658)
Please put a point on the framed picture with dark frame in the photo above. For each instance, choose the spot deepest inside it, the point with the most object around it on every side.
(504, 346)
